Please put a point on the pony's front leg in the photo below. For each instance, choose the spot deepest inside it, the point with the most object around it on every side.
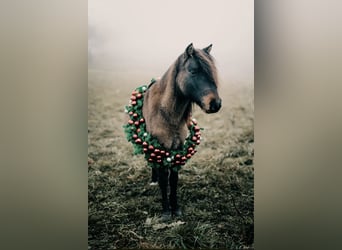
(163, 184)
(173, 194)
(154, 180)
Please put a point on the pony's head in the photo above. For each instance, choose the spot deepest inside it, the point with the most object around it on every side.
(197, 78)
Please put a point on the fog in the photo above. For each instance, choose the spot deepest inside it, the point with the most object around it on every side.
(147, 36)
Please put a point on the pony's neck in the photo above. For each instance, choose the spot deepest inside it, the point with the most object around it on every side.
(174, 107)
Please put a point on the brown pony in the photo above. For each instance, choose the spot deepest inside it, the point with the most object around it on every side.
(167, 107)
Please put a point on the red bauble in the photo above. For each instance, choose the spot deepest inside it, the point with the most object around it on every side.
(138, 130)
(145, 150)
(134, 103)
(130, 122)
(153, 155)
(130, 113)
(197, 128)
(142, 120)
(162, 152)
(135, 115)
(194, 138)
(188, 156)
(157, 151)
(190, 149)
(145, 144)
(138, 141)
(183, 158)
(139, 95)
(135, 136)
(167, 154)
(150, 147)
(198, 142)
(150, 159)
(136, 123)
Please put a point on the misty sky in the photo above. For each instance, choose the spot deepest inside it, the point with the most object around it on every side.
(149, 35)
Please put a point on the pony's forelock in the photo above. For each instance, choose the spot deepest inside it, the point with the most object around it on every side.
(207, 63)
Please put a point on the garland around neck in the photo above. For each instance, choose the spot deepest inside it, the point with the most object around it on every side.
(144, 143)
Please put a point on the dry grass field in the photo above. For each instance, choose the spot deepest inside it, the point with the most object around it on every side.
(216, 187)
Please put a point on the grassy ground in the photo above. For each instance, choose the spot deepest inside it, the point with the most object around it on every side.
(216, 187)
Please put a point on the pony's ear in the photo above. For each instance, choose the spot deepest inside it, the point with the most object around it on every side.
(208, 49)
(189, 50)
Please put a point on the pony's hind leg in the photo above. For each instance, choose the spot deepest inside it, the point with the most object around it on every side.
(173, 194)
(163, 184)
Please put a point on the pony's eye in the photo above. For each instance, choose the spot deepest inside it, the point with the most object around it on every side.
(193, 71)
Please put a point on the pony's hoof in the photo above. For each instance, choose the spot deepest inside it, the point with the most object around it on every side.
(166, 216)
(177, 212)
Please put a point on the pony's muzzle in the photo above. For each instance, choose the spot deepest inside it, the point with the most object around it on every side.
(210, 103)
(214, 105)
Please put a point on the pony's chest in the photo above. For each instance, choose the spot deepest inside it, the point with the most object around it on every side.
(178, 140)
(170, 138)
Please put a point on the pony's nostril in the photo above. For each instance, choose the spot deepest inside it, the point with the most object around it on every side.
(219, 104)
(215, 105)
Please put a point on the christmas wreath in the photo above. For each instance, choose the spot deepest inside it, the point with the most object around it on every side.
(144, 143)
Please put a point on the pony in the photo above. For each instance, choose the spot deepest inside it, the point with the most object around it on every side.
(168, 103)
